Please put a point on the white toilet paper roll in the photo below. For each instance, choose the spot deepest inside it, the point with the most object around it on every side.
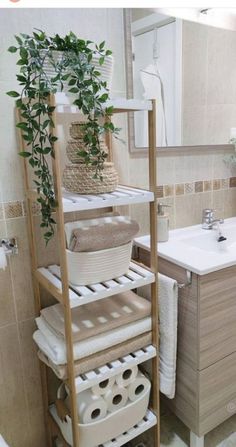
(127, 376)
(91, 408)
(102, 387)
(116, 398)
(138, 387)
(3, 259)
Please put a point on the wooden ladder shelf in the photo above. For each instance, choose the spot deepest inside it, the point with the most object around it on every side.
(54, 279)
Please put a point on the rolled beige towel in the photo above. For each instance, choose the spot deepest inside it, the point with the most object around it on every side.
(103, 235)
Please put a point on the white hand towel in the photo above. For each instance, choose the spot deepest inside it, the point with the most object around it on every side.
(168, 316)
(55, 348)
(2, 442)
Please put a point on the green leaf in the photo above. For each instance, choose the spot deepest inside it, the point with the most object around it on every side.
(21, 78)
(12, 49)
(72, 82)
(21, 62)
(74, 90)
(101, 60)
(23, 53)
(13, 94)
(19, 40)
(108, 52)
(102, 45)
(46, 123)
(25, 154)
(23, 126)
(47, 150)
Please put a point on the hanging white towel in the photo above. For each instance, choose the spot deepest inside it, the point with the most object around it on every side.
(153, 89)
(2, 442)
(168, 316)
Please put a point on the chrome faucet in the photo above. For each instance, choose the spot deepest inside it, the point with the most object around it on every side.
(208, 220)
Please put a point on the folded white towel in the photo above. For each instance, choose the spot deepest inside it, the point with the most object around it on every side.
(2, 442)
(168, 316)
(55, 348)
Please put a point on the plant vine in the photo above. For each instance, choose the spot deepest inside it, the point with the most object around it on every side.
(75, 68)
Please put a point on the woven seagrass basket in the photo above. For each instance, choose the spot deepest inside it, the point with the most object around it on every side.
(78, 178)
(76, 145)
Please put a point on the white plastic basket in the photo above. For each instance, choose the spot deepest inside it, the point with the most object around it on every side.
(92, 435)
(98, 266)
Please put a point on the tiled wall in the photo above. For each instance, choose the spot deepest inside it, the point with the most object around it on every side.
(209, 88)
(21, 413)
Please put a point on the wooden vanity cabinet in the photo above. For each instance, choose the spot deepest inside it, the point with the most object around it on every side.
(206, 362)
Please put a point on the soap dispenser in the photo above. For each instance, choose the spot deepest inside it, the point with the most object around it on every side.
(162, 223)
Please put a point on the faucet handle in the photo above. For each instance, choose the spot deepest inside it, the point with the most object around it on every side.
(208, 213)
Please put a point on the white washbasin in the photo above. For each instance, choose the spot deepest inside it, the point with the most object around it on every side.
(198, 250)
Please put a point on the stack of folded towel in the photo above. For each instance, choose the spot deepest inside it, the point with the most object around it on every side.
(96, 327)
(100, 234)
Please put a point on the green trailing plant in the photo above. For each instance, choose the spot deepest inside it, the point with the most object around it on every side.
(74, 68)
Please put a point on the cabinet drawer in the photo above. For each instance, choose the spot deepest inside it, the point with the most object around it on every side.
(217, 393)
(217, 316)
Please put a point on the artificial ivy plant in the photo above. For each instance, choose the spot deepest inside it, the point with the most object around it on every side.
(76, 69)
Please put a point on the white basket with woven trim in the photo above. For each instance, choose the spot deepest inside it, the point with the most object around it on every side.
(92, 267)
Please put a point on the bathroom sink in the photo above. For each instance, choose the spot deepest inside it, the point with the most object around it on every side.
(196, 249)
(209, 242)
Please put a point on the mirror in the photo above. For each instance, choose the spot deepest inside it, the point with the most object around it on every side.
(190, 69)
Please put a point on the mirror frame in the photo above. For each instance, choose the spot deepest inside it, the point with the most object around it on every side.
(142, 151)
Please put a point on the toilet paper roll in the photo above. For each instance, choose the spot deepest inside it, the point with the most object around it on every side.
(138, 387)
(104, 386)
(127, 376)
(91, 408)
(3, 258)
(116, 398)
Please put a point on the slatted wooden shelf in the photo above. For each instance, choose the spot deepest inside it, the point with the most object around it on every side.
(136, 276)
(91, 378)
(120, 105)
(123, 195)
(145, 424)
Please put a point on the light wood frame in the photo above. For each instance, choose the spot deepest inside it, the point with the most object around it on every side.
(63, 296)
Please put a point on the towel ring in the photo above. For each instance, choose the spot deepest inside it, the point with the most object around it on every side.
(188, 282)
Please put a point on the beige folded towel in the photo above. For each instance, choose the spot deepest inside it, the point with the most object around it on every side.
(98, 317)
(103, 235)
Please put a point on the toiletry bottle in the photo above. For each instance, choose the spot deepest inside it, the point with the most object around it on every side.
(162, 223)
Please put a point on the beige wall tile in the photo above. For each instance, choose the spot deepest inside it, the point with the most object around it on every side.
(194, 63)
(13, 407)
(188, 208)
(230, 203)
(179, 189)
(216, 184)
(189, 188)
(13, 210)
(198, 186)
(207, 185)
(218, 203)
(1, 212)
(168, 190)
(30, 362)
(22, 285)
(7, 313)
